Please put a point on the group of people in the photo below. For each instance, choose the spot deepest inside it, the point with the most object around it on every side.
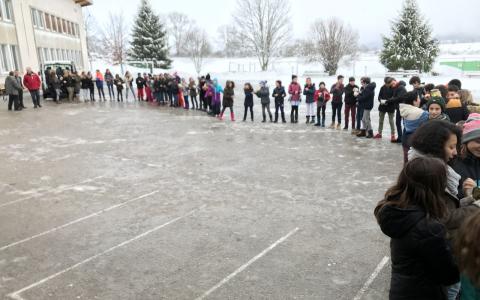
(432, 214)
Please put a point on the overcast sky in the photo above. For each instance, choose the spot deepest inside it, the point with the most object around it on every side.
(371, 18)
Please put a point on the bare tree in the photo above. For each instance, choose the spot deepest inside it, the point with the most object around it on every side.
(230, 42)
(332, 41)
(94, 43)
(196, 46)
(115, 39)
(263, 26)
(178, 25)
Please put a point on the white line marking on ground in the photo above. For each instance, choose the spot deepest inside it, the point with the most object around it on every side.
(49, 191)
(372, 277)
(16, 295)
(76, 221)
(243, 267)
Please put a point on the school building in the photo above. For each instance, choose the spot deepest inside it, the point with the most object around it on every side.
(34, 31)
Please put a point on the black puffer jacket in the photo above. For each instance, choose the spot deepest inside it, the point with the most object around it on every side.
(385, 94)
(350, 98)
(367, 96)
(422, 262)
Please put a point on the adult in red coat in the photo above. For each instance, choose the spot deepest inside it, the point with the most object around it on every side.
(32, 82)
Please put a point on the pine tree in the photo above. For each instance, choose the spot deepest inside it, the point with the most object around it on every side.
(149, 38)
(411, 46)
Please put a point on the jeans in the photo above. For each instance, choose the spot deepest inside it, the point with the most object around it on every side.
(119, 95)
(337, 111)
(194, 102)
(131, 89)
(390, 120)
(367, 122)
(350, 109)
(71, 93)
(13, 100)
(321, 109)
(111, 94)
(101, 93)
(266, 107)
(187, 104)
(294, 114)
(279, 107)
(247, 107)
(398, 121)
(35, 97)
(359, 117)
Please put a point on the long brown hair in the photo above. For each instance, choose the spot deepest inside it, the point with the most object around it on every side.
(467, 248)
(422, 183)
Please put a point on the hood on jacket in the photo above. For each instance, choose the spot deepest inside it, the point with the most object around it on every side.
(401, 83)
(397, 222)
(410, 112)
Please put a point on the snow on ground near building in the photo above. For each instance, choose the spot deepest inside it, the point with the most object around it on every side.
(367, 64)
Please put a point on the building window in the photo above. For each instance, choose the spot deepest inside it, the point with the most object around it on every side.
(59, 25)
(46, 54)
(3, 60)
(54, 23)
(59, 54)
(41, 23)
(34, 17)
(77, 30)
(7, 10)
(15, 57)
(53, 54)
(47, 22)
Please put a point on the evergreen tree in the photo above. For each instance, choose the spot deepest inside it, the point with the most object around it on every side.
(149, 38)
(411, 46)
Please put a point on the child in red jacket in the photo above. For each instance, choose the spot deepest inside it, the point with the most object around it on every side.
(322, 96)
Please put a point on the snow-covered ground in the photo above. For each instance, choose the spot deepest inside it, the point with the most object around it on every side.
(367, 64)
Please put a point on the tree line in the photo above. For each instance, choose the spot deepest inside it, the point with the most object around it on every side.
(261, 29)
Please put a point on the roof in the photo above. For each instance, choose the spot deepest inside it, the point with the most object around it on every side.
(84, 2)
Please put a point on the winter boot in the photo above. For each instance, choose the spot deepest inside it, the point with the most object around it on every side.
(220, 117)
(271, 119)
(232, 116)
(362, 133)
(313, 120)
(264, 119)
(339, 126)
(276, 118)
(323, 123)
(308, 120)
(332, 126)
(370, 134)
(283, 118)
(319, 122)
(393, 139)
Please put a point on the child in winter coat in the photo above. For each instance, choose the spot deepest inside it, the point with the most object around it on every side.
(468, 252)
(468, 162)
(309, 92)
(455, 109)
(413, 118)
(192, 87)
(185, 93)
(279, 95)
(248, 90)
(295, 92)
(337, 91)
(119, 84)
(436, 109)
(99, 84)
(264, 94)
(410, 214)
(228, 93)
(322, 96)
(109, 80)
(217, 98)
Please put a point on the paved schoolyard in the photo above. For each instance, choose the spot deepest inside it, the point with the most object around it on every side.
(133, 201)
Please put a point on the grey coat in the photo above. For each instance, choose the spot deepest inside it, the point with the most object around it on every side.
(11, 86)
(264, 95)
